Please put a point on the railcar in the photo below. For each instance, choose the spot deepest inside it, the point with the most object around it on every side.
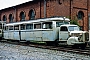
(57, 29)
(37, 30)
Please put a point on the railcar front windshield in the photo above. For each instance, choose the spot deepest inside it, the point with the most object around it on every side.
(59, 23)
(73, 28)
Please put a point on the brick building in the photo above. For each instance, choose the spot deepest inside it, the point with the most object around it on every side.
(74, 9)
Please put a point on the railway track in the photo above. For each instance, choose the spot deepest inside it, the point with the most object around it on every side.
(85, 51)
(65, 49)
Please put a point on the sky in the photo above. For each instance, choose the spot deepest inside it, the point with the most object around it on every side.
(9, 3)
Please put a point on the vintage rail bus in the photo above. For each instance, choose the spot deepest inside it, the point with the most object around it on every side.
(1, 28)
(38, 30)
(57, 29)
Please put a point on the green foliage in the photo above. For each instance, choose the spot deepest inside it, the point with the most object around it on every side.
(74, 22)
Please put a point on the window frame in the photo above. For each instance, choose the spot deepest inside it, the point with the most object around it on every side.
(48, 25)
(22, 27)
(22, 16)
(29, 26)
(10, 18)
(63, 28)
(16, 27)
(37, 26)
(80, 15)
(4, 18)
(31, 14)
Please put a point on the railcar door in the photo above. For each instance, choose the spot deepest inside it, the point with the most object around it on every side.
(22, 32)
(63, 33)
(16, 33)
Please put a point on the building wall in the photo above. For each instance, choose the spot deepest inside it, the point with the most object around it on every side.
(80, 5)
(26, 8)
(68, 8)
(55, 8)
(6, 13)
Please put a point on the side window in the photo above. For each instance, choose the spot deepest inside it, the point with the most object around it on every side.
(22, 27)
(10, 27)
(5, 28)
(66, 22)
(63, 28)
(37, 26)
(47, 25)
(0, 26)
(16, 27)
(29, 26)
(58, 24)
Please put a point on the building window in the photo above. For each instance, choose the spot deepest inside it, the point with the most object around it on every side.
(22, 16)
(59, 1)
(31, 15)
(4, 18)
(80, 15)
(10, 18)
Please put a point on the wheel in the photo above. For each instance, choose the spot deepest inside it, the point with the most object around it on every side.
(0, 38)
(75, 46)
(52, 43)
(48, 43)
(83, 46)
(28, 42)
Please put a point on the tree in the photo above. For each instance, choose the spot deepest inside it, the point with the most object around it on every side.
(74, 22)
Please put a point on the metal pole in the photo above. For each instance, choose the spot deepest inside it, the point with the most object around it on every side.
(64, 20)
(44, 8)
(70, 8)
(15, 13)
(89, 20)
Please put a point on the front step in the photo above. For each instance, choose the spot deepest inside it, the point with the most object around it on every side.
(3, 40)
(22, 41)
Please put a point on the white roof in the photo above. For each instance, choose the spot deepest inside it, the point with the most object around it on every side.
(68, 25)
(39, 20)
(2, 21)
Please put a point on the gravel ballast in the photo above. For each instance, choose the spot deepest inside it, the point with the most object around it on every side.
(18, 52)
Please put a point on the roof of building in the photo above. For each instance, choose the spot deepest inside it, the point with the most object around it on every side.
(19, 4)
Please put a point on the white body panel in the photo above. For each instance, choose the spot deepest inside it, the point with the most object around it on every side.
(10, 35)
(16, 35)
(36, 35)
(63, 35)
(23, 35)
(6, 35)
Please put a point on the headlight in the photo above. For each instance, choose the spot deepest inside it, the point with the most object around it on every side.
(69, 34)
(80, 38)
